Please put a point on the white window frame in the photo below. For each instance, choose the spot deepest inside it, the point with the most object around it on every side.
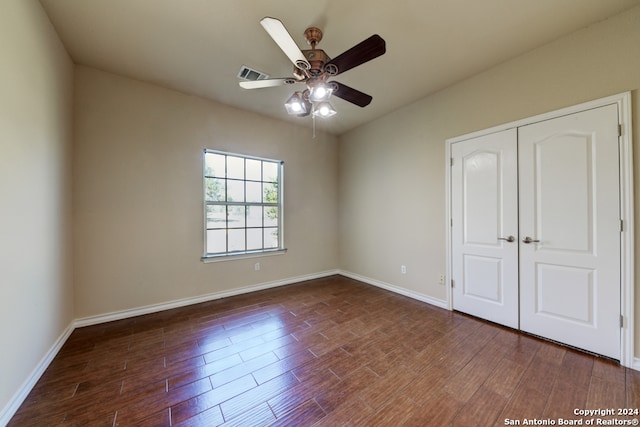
(235, 254)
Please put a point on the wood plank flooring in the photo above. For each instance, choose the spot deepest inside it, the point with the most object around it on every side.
(326, 352)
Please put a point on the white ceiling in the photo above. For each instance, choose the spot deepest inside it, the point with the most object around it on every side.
(198, 46)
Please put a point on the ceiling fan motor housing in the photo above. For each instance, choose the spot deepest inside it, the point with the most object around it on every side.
(317, 58)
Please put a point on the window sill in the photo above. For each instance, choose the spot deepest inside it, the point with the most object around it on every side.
(242, 255)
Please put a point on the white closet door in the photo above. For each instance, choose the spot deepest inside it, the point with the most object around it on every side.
(484, 214)
(570, 230)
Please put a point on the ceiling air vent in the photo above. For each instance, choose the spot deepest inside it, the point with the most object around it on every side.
(247, 73)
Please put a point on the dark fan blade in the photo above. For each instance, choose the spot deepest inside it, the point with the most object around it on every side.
(352, 95)
(364, 51)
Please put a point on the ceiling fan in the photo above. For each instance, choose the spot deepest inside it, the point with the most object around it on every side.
(314, 68)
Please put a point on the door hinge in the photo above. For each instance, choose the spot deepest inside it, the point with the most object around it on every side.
(451, 161)
(621, 226)
(451, 222)
(619, 130)
(621, 321)
(453, 283)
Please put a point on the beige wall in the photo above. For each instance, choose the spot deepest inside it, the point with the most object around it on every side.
(137, 177)
(137, 190)
(392, 171)
(36, 296)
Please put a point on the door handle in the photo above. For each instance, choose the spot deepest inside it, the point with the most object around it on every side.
(528, 240)
(508, 239)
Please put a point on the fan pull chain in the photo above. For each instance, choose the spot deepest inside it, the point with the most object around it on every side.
(313, 119)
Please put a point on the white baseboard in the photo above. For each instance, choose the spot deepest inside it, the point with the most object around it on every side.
(124, 314)
(18, 398)
(396, 289)
(14, 403)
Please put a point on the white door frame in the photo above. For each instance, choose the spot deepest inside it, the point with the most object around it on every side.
(627, 270)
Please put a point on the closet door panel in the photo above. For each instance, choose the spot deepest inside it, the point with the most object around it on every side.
(569, 230)
(484, 215)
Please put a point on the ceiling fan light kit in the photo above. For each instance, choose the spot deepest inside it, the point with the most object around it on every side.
(297, 105)
(323, 109)
(314, 68)
(319, 91)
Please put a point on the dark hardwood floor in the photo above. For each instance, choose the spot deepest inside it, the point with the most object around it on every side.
(327, 352)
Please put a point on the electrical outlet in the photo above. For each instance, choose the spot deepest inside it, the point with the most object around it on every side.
(403, 269)
(257, 266)
(441, 280)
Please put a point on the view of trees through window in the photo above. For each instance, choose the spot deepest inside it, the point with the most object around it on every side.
(242, 204)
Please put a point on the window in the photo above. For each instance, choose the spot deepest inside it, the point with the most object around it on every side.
(242, 204)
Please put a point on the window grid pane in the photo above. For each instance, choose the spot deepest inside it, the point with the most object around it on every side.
(216, 241)
(216, 217)
(215, 189)
(215, 165)
(242, 204)
(235, 190)
(253, 192)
